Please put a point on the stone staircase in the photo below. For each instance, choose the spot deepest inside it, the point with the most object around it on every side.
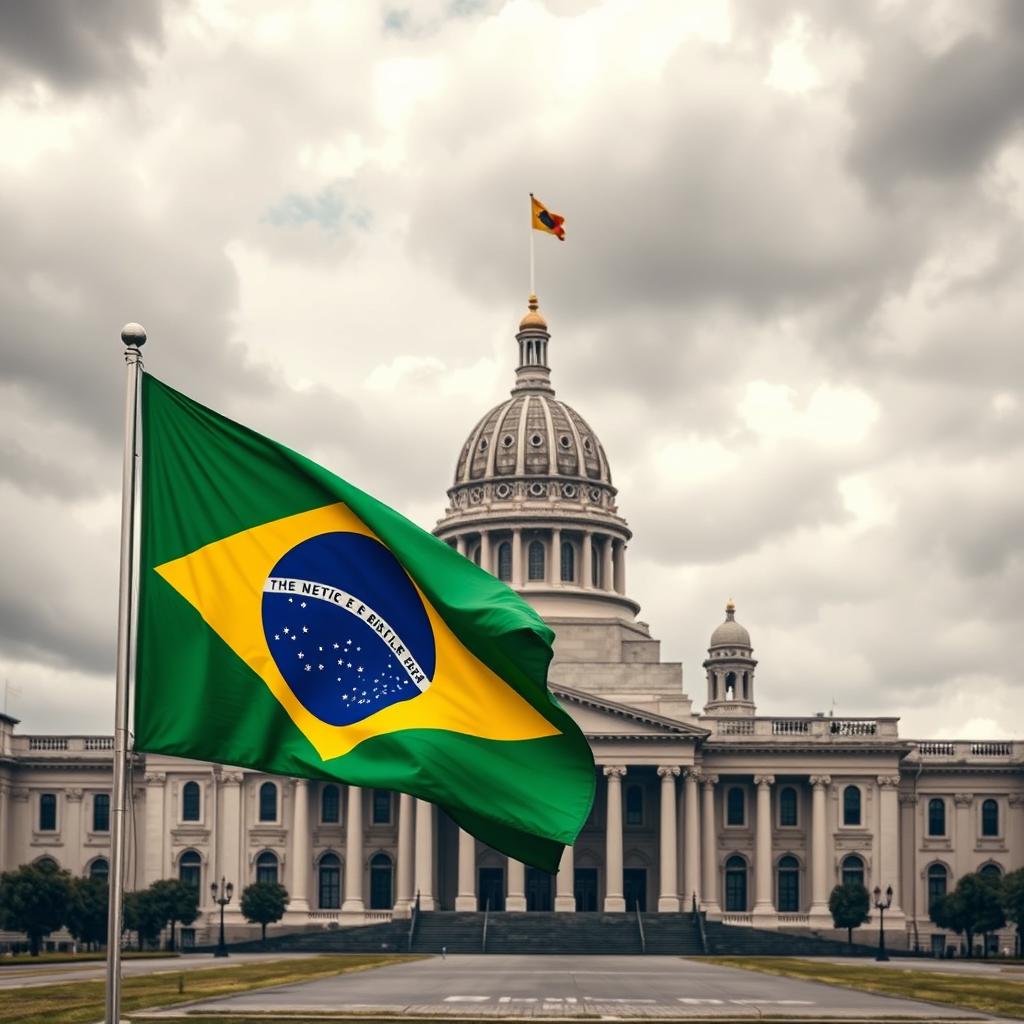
(551, 932)
(672, 934)
(391, 937)
(452, 931)
(730, 940)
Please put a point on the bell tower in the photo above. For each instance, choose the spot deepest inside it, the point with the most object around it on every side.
(730, 668)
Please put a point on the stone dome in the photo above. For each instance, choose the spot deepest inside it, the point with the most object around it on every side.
(730, 633)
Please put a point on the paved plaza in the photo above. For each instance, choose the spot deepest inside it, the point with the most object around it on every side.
(554, 986)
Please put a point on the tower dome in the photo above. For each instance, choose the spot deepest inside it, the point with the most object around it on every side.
(730, 633)
(730, 668)
(532, 499)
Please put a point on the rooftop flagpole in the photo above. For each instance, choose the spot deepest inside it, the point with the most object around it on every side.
(134, 337)
(533, 287)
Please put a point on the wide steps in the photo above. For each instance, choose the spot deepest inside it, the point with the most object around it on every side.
(671, 934)
(730, 940)
(454, 932)
(548, 932)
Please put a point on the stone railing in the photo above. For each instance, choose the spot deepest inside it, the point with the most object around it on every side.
(60, 744)
(738, 920)
(818, 727)
(966, 750)
(794, 920)
(325, 917)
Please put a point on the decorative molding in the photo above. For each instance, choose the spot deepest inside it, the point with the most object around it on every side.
(709, 781)
(19, 793)
(764, 781)
(908, 799)
(821, 781)
(889, 781)
(693, 773)
(669, 770)
(616, 771)
(963, 799)
(74, 795)
(155, 778)
(232, 778)
(1016, 799)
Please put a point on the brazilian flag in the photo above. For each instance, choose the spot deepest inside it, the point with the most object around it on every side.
(290, 623)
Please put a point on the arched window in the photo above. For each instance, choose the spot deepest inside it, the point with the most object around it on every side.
(381, 810)
(851, 805)
(329, 882)
(989, 818)
(730, 686)
(568, 562)
(47, 864)
(735, 807)
(101, 812)
(535, 560)
(190, 801)
(380, 882)
(330, 805)
(268, 802)
(938, 881)
(266, 867)
(736, 885)
(48, 812)
(853, 870)
(787, 807)
(992, 872)
(190, 868)
(634, 805)
(505, 561)
(936, 817)
(789, 885)
(100, 869)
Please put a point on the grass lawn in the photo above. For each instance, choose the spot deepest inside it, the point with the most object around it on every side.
(1004, 997)
(77, 1002)
(25, 960)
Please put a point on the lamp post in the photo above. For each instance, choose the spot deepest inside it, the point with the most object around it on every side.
(882, 904)
(221, 894)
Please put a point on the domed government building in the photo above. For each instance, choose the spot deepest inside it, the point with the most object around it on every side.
(752, 818)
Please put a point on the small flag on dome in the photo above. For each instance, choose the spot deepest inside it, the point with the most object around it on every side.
(545, 220)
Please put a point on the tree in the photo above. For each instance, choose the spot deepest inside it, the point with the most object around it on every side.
(1013, 900)
(86, 916)
(33, 900)
(973, 908)
(174, 901)
(143, 916)
(850, 905)
(264, 903)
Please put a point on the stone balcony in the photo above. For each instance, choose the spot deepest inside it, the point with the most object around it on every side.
(818, 728)
(71, 747)
(967, 751)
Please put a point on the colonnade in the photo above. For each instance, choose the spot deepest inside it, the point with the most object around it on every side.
(686, 811)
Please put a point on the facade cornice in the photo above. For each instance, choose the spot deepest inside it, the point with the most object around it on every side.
(562, 517)
(674, 727)
(736, 745)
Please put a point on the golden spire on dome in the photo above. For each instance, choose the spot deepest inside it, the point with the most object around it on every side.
(533, 318)
(730, 607)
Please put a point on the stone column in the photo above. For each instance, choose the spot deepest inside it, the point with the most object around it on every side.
(71, 829)
(889, 845)
(619, 553)
(587, 560)
(300, 852)
(908, 889)
(404, 879)
(517, 557)
(555, 569)
(710, 836)
(229, 835)
(516, 879)
(425, 854)
(5, 857)
(668, 896)
(465, 899)
(691, 838)
(353, 902)
(614, 900)
(565, 889)
(156, 829)
(820, 916)
(607, 574)
(485, 553)
(763, 905)
(460, 544)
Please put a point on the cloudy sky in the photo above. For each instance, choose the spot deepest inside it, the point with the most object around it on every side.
(790, 302)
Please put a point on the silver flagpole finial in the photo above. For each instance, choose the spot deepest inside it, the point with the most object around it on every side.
(133, 335)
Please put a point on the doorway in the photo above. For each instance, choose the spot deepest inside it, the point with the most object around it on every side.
(538, 890)
(634, 888)
(491, 889)
(585, 889)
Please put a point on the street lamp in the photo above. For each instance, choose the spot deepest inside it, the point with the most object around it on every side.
(882, 904)
(221, 894)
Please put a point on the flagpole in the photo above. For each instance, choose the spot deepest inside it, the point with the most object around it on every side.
(533, 287)
(134, 337)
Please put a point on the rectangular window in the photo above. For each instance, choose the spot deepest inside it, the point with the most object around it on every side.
(381, 807)
(735, 807)
(101, 812)
(48, 812)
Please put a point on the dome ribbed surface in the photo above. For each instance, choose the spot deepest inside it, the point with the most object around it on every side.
(730, 633)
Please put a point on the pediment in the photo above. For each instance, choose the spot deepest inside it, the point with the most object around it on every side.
(597, 716)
